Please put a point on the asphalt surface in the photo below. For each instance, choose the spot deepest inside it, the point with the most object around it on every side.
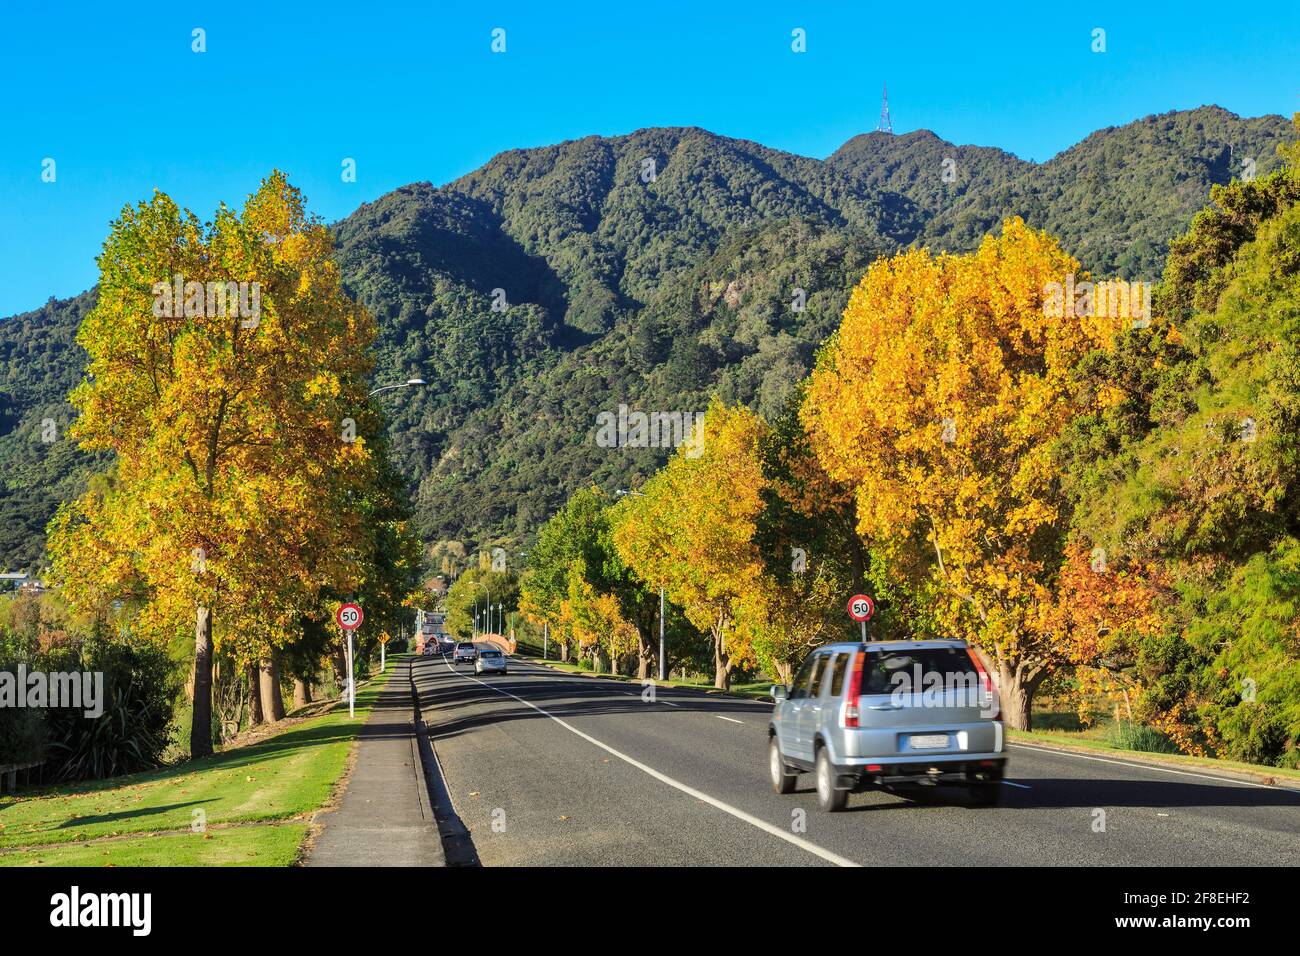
(544, 768)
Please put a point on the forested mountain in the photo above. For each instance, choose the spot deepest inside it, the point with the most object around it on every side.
(650, 269)
(40, 362)
(1117, 198)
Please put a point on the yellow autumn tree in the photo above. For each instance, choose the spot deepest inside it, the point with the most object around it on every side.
(593, 618)
(227, 373)
(938, 401)
(692, 530)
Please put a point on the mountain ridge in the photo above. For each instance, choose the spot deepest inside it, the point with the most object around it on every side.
(658, 285)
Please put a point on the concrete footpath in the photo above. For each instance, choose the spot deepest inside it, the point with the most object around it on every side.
(385, 817)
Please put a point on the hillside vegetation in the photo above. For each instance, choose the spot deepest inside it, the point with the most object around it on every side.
(651, 270)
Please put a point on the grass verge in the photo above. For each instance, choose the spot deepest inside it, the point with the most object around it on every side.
(253, 803)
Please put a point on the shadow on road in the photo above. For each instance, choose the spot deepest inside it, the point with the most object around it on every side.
(444, 698)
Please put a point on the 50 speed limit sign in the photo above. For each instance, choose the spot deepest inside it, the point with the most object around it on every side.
(350, 616)
(861, 607)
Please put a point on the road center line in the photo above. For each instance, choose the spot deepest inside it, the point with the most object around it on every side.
(690, 791)
(1022, 786)
(732, 719)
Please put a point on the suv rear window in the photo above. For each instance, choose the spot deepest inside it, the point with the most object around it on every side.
(913, 670)
(837, 674)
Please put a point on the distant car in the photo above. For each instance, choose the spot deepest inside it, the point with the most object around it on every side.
(429, 650)
(465, 651)
(888, 713)
(490, 659)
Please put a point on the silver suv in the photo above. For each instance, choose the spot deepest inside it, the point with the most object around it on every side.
(887, 713)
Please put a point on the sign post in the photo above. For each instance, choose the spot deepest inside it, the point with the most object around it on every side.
(861, 608)
(349, 617)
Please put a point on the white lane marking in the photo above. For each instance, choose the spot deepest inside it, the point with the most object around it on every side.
(549, 672)
(732, 719)
(1156, 766)
(1011, 783)
(690, 791)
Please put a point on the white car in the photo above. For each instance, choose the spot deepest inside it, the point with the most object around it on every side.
(490, 659)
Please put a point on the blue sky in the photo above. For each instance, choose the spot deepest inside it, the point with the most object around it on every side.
(413, 92)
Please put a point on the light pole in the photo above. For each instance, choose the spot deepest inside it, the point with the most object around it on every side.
(663, 661)
(489, 602)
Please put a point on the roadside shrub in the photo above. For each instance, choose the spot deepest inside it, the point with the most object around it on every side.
(1130, 735)
(22, 730)
(1255, 733)
(141, 685)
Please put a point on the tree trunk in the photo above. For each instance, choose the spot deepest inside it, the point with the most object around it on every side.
(201, 721)
(858, 560)
(1017, 697)
(564, 652)
(644, 660)
(301, 693)
(721, 663)
(255, 715)
(272, 699)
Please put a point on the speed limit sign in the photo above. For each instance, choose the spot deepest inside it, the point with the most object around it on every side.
(861, 607)
(350, 617)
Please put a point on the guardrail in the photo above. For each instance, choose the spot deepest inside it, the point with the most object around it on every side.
(9, 773)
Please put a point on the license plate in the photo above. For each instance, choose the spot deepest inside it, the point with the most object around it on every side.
(929, 741)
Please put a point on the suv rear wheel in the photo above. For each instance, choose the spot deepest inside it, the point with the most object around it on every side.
(828, 798)
(985, 790)
(782, 780)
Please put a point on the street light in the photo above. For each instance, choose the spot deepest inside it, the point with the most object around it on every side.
(409, 383)
(489, 602)
(663, 661)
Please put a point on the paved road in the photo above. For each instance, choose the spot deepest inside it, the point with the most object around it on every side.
(549, 769)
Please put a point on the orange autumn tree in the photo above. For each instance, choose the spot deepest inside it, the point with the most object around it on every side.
(237, 416)
(692, 530)
(1097, 612)
(938, 401)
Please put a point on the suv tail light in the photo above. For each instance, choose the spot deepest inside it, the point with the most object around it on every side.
(986, 682)
(852, 709)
